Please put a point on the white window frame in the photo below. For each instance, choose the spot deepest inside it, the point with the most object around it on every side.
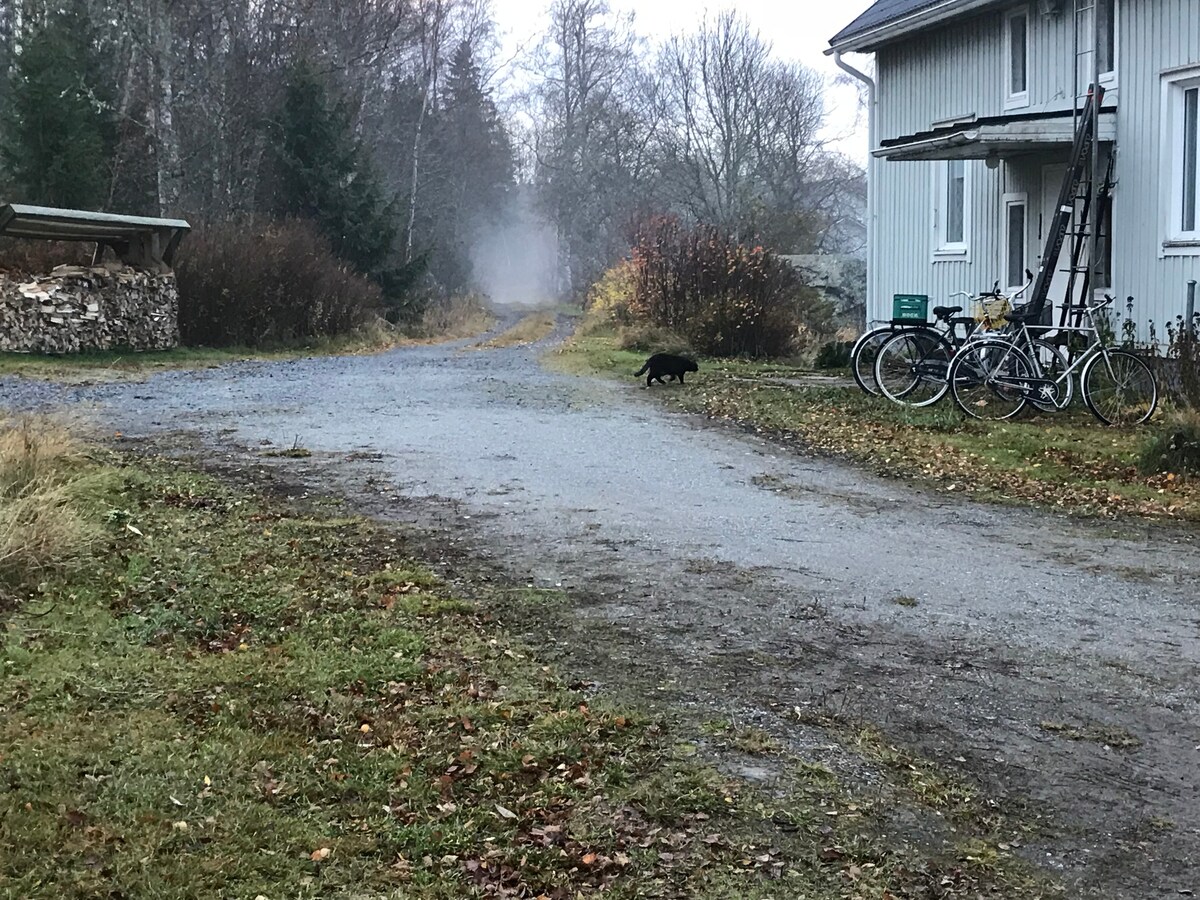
(1016, 99)
(1176, 241)
(1110, 78)
(1010, 200)
(950, 251)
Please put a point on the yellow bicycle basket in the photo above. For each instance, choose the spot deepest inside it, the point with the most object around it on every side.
(989, 312)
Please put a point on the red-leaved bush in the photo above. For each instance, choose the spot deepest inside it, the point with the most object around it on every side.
(725, 298)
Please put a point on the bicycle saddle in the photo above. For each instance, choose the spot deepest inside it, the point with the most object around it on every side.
(945, 312)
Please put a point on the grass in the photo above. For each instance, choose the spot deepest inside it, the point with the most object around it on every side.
(528, 330)
(453, 323)
(1098, 733)
(237, 696)
(1067, 461)
(43, 487)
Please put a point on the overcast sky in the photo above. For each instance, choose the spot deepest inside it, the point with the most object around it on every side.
(799, 29)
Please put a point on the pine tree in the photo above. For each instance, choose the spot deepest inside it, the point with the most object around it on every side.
(327, 177)
(57, 124)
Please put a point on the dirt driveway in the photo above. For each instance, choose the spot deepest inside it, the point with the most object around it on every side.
(1054, 663)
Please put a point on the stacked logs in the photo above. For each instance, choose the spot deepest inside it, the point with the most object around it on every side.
(77, 308)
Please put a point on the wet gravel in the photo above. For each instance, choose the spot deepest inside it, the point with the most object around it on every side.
(720, 569)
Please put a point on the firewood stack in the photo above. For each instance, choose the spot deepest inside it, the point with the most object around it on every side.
(78, 308)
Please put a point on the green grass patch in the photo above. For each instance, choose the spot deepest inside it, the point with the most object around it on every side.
(1067, 461)
(239, 697)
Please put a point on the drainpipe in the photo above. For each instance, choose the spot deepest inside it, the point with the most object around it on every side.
(872, 268)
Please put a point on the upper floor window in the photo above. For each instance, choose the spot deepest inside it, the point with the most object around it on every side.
(1108, 36)
(1016, 40)
(1181, 160)
(1107, 50)
(952, 200)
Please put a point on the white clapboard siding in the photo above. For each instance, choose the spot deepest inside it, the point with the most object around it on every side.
(958, 70)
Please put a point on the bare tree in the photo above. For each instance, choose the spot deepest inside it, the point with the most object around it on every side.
(741, 133)
(593, 127)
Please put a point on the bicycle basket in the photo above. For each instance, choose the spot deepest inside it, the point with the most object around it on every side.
(989, 312)
(1045, 319)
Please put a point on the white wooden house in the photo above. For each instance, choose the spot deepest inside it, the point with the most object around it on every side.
(972, 118)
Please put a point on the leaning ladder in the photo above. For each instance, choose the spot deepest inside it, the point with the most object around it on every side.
(1080, 172)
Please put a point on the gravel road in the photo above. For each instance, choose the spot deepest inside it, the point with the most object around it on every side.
(720, 571)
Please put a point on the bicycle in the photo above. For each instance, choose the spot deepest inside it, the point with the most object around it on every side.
(869, 343)
(994, 378)
(866, 348)
(913, 369)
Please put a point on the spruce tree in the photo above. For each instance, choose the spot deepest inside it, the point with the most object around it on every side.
(326, 176)
(57, 124)
(475, 143)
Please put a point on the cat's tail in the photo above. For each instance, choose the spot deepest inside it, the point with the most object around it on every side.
(642, 370)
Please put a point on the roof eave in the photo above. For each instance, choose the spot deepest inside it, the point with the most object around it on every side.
(868, 41)
(984, 141)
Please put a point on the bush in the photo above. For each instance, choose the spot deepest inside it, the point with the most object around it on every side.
(242, 285)
(1176, 448)
(610, 297)
(1184, 348)
(725, 298)
(27, 257)
(834, 355)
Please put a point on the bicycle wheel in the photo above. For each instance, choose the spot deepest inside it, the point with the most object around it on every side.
(862, 357)
(1119, 388)
(1050, 363)
(990, 379)
(911, 367)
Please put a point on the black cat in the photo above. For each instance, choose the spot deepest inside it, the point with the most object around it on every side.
(661, 364)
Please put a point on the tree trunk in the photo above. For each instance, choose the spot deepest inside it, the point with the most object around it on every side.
(166, 138)
(431, 40)
(416, 174)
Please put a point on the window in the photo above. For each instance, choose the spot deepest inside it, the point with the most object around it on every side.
(1108, 48)
(956, 202)
(1181, 161)
(952, 208)
(1189, 173)
(1108, 36)
(1016, 34)
(1016, 240)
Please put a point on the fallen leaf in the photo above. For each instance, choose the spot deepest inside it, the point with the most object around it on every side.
(505, 812)
(319, 855)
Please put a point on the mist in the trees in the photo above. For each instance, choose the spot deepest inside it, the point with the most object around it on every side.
(384, 124)
(515, 259)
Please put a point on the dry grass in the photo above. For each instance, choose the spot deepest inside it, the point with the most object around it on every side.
(41, 528)
(651, 339)
(531, 329)
(456, 317)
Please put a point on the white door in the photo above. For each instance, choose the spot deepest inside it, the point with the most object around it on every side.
(1052, 179)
